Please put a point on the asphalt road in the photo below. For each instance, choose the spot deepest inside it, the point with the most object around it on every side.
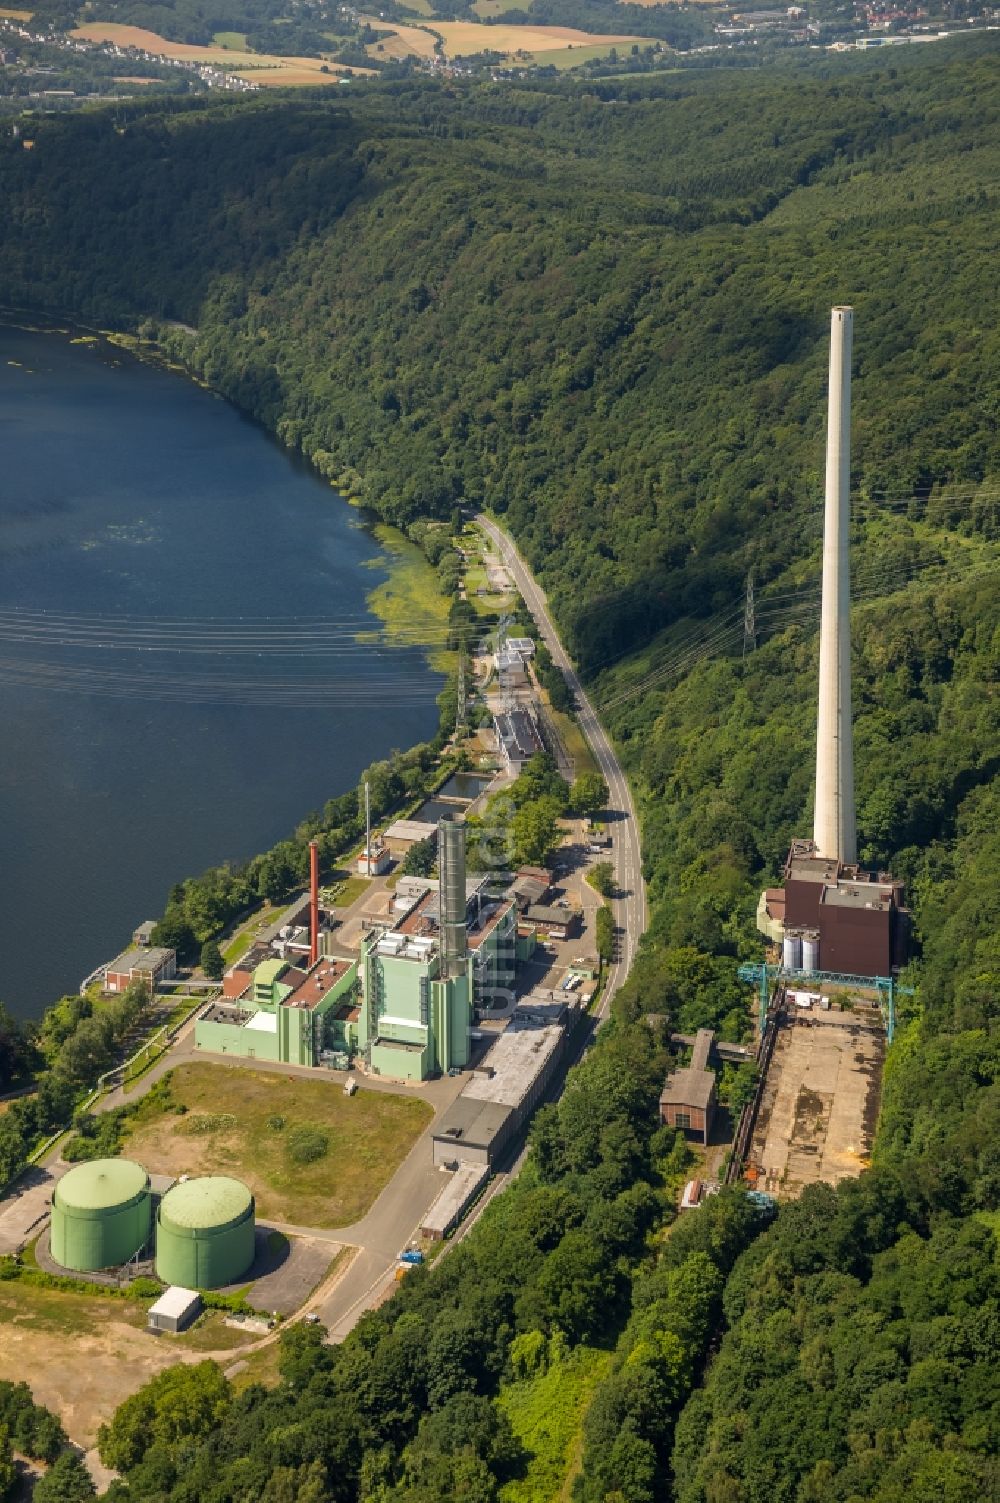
(631, 912)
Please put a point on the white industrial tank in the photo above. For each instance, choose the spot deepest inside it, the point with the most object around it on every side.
(791, 952)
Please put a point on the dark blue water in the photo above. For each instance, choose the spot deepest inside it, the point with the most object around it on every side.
(132, 502)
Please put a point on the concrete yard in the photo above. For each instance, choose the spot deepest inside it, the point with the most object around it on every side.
(820, 1103)
(285, 1271)
(23, 1211)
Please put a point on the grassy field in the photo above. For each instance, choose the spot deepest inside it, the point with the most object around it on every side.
(233, 41)
(348, 891)
(488, 8)
(259, 1366)
(241, 942)
(573, 740)
(263, 67)
(238, 947)
(475, 579)
(409, 602)
(575, 57)
(368, 1135)
(546, 1414)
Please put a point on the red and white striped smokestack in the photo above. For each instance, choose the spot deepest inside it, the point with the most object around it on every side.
(313, 902)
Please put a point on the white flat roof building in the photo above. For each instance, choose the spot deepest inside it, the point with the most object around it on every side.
(175, 1308)
(462, 1187)
(409, 832)
(513, 1064)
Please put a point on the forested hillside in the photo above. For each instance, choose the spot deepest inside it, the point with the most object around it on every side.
(603, 313)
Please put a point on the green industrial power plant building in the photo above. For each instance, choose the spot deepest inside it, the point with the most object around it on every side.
(205, 1232)
(100, 1215)
(420, 979)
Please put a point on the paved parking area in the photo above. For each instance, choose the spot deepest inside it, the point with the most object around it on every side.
(22, 1212)
(283, 1279)
(820, 1103)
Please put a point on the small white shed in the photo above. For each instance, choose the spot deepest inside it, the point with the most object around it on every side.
(175, 1309)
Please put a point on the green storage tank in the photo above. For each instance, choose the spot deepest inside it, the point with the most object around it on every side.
(100, 1215)
(205, 1232)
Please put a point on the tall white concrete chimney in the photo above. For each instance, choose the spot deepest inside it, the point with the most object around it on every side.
(834, 824)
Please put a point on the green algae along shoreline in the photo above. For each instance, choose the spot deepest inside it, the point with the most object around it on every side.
(408, 601)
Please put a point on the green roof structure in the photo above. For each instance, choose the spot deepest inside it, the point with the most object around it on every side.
(268, 971)
(212, 1200)
(101, 1185)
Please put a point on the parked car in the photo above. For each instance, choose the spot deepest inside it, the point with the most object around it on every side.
(411, 1255)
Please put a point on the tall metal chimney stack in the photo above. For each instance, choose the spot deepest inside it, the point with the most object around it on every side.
(834, 824)
(451, 895)
(313, 902)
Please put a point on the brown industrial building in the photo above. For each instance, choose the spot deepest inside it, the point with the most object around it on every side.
(531, 886)
(845, 918)
(688, 1097)
(557, 923)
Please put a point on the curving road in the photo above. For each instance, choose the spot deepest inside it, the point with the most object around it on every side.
(630, 909)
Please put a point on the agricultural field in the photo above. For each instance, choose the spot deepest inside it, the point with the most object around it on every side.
(15, 15)
(241, 1121)
(573, 57)
(562, 45)
(400, 41)
(462, 38)
(261, 67)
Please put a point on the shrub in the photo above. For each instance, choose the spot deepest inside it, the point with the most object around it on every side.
(307, 1144)
(204, 1122)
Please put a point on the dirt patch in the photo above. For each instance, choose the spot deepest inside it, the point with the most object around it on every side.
(83, 1380)
(820, 1102)
(379, 905)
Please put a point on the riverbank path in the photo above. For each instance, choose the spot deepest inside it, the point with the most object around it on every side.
(632, 914)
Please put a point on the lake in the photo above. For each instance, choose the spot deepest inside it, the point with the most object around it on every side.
(181, 679)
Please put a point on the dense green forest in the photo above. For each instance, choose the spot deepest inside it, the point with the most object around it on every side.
(602, 311)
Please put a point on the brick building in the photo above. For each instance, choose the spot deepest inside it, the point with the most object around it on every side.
(688, 1097)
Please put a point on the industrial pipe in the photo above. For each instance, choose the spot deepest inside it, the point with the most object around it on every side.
(313, 902)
